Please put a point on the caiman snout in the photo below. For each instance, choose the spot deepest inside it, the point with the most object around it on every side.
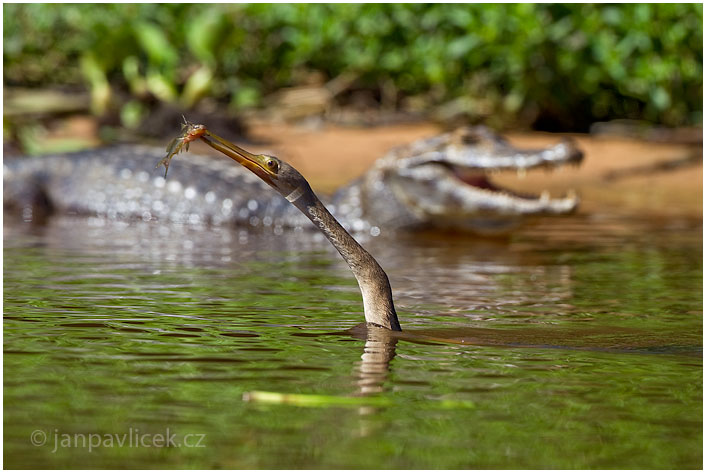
(450, 182)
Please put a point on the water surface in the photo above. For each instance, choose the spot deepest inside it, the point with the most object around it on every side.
(574, 344)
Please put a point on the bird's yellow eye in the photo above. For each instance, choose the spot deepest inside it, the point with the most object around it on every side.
(272, 164)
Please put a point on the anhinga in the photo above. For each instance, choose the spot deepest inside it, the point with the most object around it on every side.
(373, 282)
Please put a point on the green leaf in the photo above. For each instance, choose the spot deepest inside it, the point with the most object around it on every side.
(197, 85)
(160, 86)
(203, 34)
(100, 88)
(155, 43)
(660, 98)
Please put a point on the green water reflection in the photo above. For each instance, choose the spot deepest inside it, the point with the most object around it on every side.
(576, 350)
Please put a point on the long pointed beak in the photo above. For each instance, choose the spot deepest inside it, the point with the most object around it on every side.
(235, 152)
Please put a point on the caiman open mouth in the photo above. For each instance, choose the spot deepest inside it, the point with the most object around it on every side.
(481, 180)
(458, 191)
(450, 179)
(466, 169)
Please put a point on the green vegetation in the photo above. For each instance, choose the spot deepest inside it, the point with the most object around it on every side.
(561, 66)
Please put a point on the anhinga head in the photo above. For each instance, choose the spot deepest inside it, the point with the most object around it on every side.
(278, 174)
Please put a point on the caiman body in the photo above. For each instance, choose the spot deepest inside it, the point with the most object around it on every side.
(440, 182)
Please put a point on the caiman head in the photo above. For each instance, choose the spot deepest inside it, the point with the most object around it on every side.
(445, 182)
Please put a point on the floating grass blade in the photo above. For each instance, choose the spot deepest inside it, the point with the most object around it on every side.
(324, 400)
(313, 400)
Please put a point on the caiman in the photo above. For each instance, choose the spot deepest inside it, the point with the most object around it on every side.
(440, 182)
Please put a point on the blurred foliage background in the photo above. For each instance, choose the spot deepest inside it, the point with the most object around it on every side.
(546, 66)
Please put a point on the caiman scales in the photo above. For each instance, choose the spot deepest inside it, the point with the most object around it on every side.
(440, 182)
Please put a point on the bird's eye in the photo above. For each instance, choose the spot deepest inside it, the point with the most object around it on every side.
(272, 164)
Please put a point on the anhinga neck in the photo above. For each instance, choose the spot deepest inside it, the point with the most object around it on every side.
(372, 279)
